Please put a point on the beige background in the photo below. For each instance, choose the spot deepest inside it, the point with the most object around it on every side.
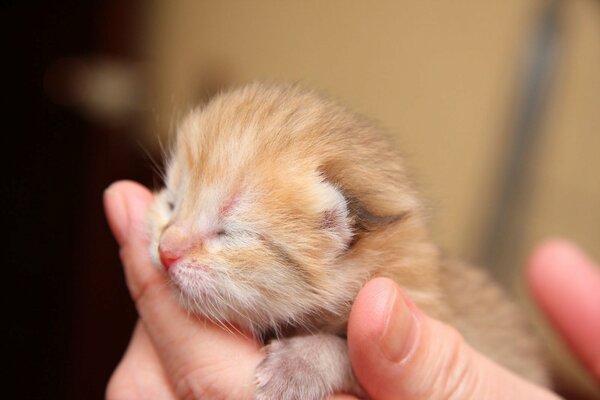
(441, 76)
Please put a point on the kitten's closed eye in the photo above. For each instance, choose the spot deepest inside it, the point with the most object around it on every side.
(221, 232)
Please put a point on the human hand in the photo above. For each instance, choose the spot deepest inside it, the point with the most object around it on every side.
(172, 354)
(175, 355)
(402, 353)
(566, 285)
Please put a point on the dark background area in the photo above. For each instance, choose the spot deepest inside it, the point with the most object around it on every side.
(69, 310)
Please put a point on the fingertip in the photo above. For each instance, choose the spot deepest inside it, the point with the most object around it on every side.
(382, 336)
(371, 304)
(374, 293)
(125, 204)
(565, 283)
(126, 185)
(556, 263)
(116, 214)
(130, 190)
(556, 251)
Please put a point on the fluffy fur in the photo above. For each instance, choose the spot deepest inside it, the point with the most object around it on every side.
(279, 205)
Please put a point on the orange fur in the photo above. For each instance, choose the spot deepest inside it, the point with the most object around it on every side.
(322, 204)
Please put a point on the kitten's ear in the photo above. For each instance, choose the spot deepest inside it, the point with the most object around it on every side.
(335, 215)
(362, 220)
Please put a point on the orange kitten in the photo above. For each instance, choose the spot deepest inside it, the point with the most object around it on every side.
(279, 205)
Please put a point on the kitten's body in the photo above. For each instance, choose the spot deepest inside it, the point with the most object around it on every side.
(283, 205)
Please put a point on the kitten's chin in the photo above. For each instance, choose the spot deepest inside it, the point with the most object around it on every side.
(192, 281)
(223, 303)
(199, 293)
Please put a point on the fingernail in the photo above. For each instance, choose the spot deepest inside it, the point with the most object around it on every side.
(399, 338)
(116, 211)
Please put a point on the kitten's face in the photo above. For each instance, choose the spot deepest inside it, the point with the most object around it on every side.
(277, 207)
(249, 236)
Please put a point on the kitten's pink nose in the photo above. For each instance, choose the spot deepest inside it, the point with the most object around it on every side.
(167, 258)
(173, 244)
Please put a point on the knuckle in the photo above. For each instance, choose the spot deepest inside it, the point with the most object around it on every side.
(195, 383)
(144, 291)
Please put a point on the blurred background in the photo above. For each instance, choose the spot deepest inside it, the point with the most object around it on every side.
(495, 105)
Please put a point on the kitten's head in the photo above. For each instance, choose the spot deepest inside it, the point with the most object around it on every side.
(269, 193)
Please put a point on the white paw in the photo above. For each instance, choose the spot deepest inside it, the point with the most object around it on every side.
(290, 372)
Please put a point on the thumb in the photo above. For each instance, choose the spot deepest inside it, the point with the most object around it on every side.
(398, 352)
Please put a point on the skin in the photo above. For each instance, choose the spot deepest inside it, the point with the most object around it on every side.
(566, 285)
(396, 350)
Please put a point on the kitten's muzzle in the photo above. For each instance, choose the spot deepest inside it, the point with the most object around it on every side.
(167, 258)
(173, 245)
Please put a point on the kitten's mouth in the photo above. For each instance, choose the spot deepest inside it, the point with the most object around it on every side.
(186, 270)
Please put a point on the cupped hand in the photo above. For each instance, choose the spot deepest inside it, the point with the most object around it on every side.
(404, 354)
(172, 354)
(397, 352)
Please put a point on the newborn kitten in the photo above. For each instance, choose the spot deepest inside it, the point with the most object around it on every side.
(279, 205)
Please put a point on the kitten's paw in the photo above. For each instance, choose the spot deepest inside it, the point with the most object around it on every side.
(289, 373)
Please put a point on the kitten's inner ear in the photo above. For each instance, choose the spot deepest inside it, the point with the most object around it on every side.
(335, 218)
(361, 218)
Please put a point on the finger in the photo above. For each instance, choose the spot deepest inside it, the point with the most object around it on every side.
(139, 375)
(125, 203)
(199, 358)
(566, 285)
(401, 353)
